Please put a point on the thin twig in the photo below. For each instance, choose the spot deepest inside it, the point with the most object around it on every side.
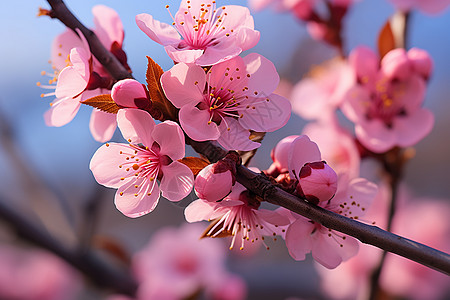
(261, 186)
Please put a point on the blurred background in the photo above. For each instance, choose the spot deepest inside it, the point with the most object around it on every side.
(44, 170)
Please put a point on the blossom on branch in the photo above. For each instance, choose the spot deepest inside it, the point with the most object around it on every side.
(329, 247)
(237, 215)
(228, 100)
(386, 102)
(203, 34)
(133, 168)
(80, 76)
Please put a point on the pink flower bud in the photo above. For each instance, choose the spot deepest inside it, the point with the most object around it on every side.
(279, 156)
(317, 182)
(212, 184)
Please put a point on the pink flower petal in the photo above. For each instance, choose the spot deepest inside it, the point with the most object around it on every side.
(196, 123)
(108, 25)
(124, 92)
(135, 202)
(310, 100)
(266, 114)
(328, 252)
(184, 84)
(198, 210)
(354, 197)
(247, 38)
(413, 128)
(61, 47)
(272, 217)
(102, 125)
(234, 137)
(105, 164)
(188, 56)
(264, 77)
(302, 151)
(298, 238)
(355, 105)
(421, 60)
(375, 136)
(62, 111)
(161, 33)
(217, 54)
(229, 75)
(395, 64)
(280, 153)
(136, 126)
(177, 181)
(411, 93)
(170, 138)
(365, 63)
(73, 80)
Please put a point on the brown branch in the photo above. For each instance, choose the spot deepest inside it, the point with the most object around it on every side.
(261, 186)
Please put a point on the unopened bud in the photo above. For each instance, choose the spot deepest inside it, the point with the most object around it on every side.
(213, 186)
(317, 182)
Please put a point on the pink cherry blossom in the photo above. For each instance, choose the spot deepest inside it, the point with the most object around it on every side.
(385, 104)
(237, 215)
(34, 274)
(227, 101)
(328, 247)
(133, 168)
(431, 7)
(82, 76)
(72, 82)
(203, 34)
(319, 96)
(176, 264)
(400, 277)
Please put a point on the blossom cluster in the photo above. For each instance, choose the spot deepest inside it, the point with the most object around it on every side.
(214, 94)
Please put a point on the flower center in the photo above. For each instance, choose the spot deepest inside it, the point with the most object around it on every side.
(200, 29)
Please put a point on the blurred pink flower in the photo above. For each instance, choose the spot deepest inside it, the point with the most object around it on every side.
(400, 277)
(237, 215)
(35, 275)
(328, 247)
(385, 104)
(227, 101)
(133, 168)
(427, 6)
(318, 96)
(82, 76)
(176, 264)
(203, 34)
(404, 278)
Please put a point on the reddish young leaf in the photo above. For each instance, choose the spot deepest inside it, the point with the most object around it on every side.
(159, 100)
(104, 103)
(196, 164)
(386, 40)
